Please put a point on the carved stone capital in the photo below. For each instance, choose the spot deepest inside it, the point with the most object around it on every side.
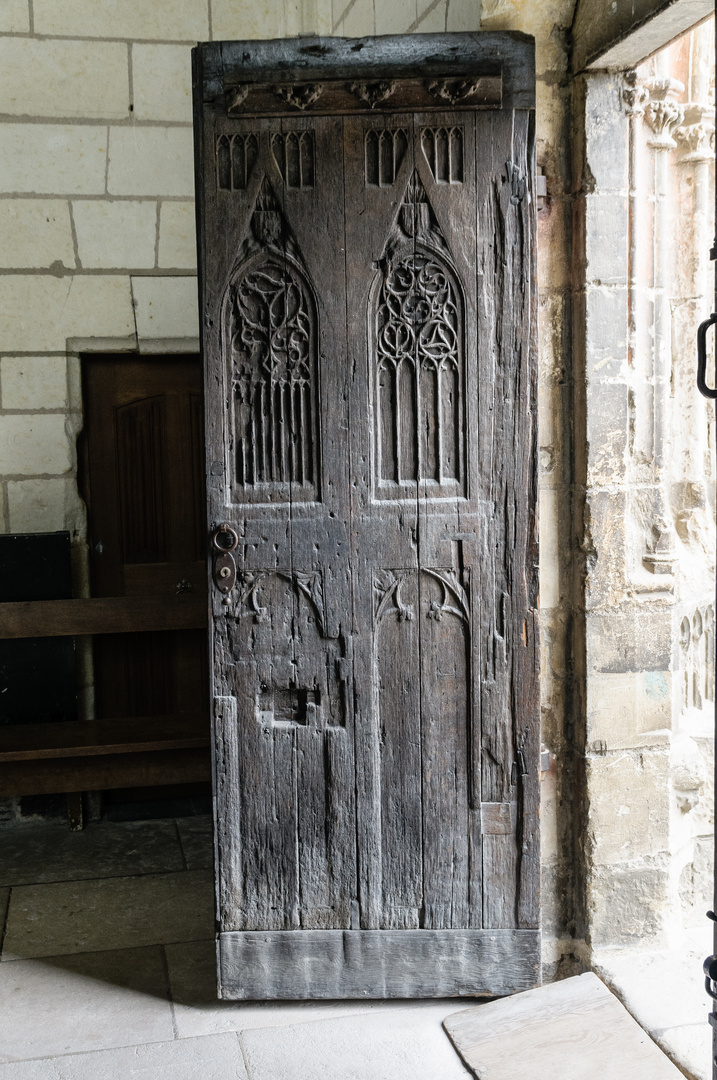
(695, 135)
(662, 112)
(634, 95)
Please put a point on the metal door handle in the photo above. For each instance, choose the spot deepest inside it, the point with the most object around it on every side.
(225, 533)
(704, 389)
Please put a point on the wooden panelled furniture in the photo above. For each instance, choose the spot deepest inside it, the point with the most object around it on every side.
(142, 478)
(38, 759)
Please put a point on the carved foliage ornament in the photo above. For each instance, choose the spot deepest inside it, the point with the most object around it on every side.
(389, 600)
(373, 93)
(696, 135)
(662, 112)
(453, 90)
(635, 95)
(300, 95)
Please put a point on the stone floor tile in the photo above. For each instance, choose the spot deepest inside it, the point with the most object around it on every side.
(35, 854)
(111, 913)
(691, 1046)
(214, 1057)
(403, 1044)
(72, 1004)
(664, 991)
(193, 985)
(197, 841)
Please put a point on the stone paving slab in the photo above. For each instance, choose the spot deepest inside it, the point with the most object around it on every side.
(110, 913)
(192, 980)
(665, 993)
(397, 1044)
(37, 854)
(196, 835)
(70, 1004)
(570, 1030)
(214, 1057)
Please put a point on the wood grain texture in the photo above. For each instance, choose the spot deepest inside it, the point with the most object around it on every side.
(575, 1028)
(101, 615)
(390, 57)
(379, 471)
(377, 963)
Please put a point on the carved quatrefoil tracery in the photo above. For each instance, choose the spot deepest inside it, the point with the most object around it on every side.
(418, 342)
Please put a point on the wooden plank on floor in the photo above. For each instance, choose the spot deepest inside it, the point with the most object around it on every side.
(102, 615)
(570, 1030)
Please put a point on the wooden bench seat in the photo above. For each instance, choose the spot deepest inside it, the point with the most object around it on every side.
(39, 759)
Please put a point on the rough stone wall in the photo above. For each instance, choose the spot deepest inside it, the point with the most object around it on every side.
(98, 254)
(644, 188)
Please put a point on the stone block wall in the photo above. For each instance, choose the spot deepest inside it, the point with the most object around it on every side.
(648, 532)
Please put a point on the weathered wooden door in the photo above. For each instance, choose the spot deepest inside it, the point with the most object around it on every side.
(368, 320)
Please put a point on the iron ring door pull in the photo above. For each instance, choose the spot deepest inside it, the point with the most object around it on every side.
(224, 541)
(704, 389)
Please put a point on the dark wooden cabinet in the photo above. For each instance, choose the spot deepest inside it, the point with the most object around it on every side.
(368, 321)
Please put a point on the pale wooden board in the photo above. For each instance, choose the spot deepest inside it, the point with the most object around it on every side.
(570, 1030)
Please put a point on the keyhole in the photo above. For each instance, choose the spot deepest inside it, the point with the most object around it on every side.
(224, 572)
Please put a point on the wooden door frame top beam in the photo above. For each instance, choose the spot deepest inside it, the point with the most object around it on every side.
(509, 55)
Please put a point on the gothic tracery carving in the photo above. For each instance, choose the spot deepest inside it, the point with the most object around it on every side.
(272, 347)
(418, 354)
(236, 156)
(293, 153)
(384, 151)
(443, 149)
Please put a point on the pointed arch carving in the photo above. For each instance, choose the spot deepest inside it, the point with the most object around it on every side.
(416, 328)
(270, 335)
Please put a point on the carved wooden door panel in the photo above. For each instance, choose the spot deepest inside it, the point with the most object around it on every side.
(367, 305)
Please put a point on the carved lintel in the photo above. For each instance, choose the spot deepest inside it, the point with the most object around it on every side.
(635, 95)
(453, 90)
(696, 134)
(663, 113)
(373, 93)
(300, 95)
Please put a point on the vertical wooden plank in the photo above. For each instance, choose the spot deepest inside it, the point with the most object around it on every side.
(382, 540)
(227, 796)
(444, 706)
(507, 434)
(398, 692)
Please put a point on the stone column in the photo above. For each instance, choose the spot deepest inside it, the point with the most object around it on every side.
(662, 114)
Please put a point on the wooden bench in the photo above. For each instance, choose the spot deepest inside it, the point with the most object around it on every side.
(38, 759)
(41, 759)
